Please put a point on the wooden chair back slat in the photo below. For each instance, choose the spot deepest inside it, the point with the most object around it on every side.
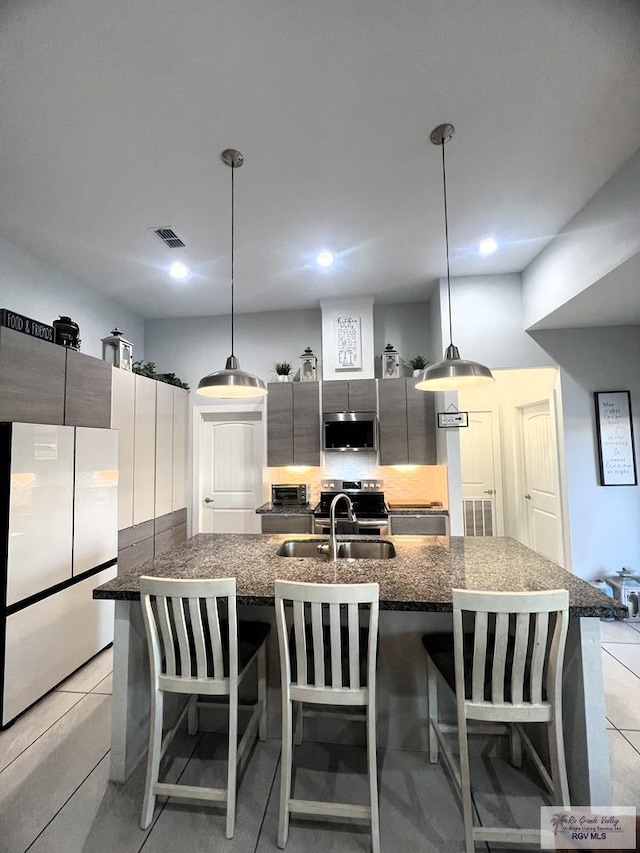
(318, 643)
(353, 628)
(479, 657)
(180, 623)
(198, 638)
(166, 635)
(520, 646)
(300, 641)
(538, 655)
(336, 645)
(499, 657)
(213, 619)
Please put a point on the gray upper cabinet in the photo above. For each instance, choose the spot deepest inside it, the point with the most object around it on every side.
(349, 395)
(32, 377)
(406, 423)
(87, 400)
(293, 423)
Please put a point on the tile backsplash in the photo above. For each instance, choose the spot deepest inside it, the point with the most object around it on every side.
(412, 483)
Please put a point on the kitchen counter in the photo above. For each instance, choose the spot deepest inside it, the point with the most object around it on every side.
(420, 577)
(416, 510)
(415, 593)
(284, 509)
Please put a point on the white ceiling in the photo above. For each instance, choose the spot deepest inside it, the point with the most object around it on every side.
(113, 116)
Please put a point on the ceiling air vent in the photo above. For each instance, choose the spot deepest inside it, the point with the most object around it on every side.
(168, 237)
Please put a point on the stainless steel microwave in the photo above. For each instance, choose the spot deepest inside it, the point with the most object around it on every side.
(350, 431)
(289, 493)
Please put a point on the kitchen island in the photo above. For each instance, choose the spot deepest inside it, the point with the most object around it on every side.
(415, 598)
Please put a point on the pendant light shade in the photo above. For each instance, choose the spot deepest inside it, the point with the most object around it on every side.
(452, 373)
(232, 382)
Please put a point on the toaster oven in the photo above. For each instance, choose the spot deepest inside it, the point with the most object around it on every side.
(291, 494)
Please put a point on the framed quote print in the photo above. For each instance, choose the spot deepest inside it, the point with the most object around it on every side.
(616, 452)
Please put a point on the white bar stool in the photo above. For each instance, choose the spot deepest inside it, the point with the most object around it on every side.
(334, 665)
(508, 670)
(198, 647)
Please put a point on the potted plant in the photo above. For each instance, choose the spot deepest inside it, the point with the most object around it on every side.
(283, 370)
(417, 364)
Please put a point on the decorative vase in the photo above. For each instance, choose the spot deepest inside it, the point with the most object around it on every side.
(418, 371)
(283, 377)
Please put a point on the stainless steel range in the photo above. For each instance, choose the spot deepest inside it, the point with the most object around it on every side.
(368, 503)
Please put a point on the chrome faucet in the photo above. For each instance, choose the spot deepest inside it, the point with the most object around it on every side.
(332, 547)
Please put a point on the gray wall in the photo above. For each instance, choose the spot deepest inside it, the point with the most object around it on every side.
(32, 287)
(605, 520)
(191, 348)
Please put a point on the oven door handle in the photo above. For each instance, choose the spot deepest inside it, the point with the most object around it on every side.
(374, 522)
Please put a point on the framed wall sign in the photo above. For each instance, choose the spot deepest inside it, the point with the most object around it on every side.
(348, 343)
(453, 420)
(616, 453)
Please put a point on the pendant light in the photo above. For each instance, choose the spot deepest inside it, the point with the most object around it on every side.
(452, 373)
(232, 382)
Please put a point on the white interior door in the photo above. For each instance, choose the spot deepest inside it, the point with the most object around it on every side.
(540, 500)
(232, 461)
(481, 481)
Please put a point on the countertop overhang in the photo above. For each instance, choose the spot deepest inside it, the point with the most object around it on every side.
(420, 577)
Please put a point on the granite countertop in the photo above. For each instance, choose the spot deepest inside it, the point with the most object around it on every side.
(420, 577)
(284, 509)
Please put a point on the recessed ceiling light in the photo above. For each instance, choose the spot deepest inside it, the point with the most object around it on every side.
(487, 246)
(179, 271)
(324, 259)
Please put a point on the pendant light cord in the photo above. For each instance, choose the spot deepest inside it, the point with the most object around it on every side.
(446, 240)
(233, 168)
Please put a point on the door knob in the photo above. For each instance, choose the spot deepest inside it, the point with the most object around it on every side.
(528, 497)
(208, 500)
(488, 491)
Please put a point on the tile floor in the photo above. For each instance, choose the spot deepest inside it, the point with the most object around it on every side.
(55, 796)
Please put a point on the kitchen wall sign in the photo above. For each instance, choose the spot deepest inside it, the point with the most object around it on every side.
(20, 323)
(453, 420)
(348, 343)
(616, 453)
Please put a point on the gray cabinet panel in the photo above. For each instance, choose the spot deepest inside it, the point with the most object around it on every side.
(32, 376)
(280, 424)
(418, 525)
(171, 519)
(168, 538)
(131, 535)
(287, 523)
(362, 395)
(335, 395)
(306, 423)
(87, 400)
(421, 428)
(392, 417)
(135, 555)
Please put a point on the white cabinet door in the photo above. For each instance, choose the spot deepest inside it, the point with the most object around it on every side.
(123, 409)
(47, 641)
(164, 449)
(144, 450)
(180, 421)
(40, 509)
(95, 526)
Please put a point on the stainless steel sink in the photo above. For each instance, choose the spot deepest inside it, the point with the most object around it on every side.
(379, 549)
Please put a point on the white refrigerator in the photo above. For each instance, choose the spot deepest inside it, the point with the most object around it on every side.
(58, 541)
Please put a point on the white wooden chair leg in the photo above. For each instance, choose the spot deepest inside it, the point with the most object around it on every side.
(193, 716)
(262, 692)
(515, 746)
(373, 778)
(432, 699)
(465, 778)
(232, 768)
(286, 759)
(558, 765)
(153, 758)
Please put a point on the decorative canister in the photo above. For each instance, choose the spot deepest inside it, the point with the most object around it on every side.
(66, 332)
